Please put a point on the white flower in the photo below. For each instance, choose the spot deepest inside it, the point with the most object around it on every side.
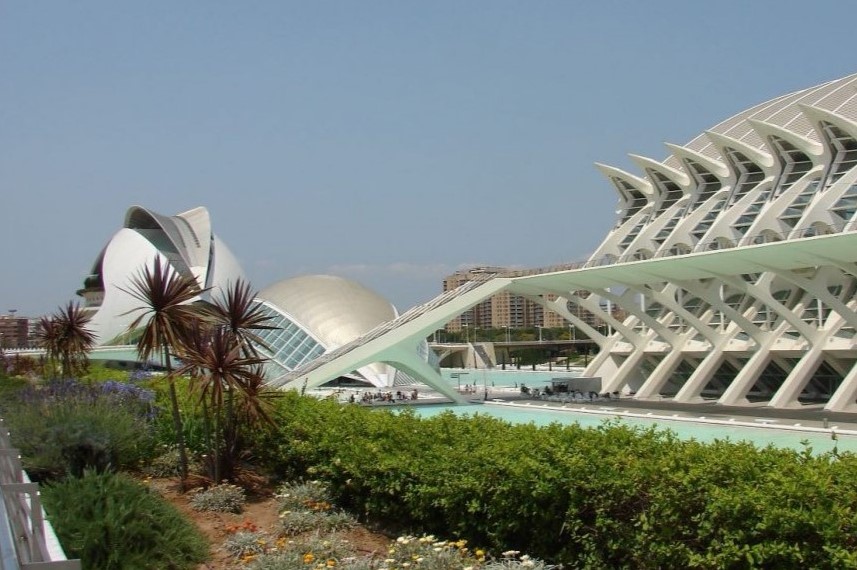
(512, 553)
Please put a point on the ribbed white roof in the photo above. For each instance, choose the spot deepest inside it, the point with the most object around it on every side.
(334, 309)
(839, 96)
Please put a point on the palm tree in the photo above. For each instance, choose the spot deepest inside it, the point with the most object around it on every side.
(239, 312)
(47, 337)
(241, 316)
(167, 315)
(74, 340)
(220, 371)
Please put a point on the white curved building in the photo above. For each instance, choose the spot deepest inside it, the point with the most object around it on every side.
(185, 242)
(729, 275)
(317, 313)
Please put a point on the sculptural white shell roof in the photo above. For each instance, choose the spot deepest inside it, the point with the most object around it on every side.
(331, 310)
(184, 241)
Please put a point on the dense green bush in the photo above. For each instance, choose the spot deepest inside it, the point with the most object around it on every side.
(611, 497)
(65, 427)
(112, 522)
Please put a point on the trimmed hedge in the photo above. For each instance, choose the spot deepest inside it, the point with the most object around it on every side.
(611, 497)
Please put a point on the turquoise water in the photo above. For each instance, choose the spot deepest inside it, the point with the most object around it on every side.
(761, 437)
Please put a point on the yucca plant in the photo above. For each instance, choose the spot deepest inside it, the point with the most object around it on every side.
(48, 338)
(239, 316)
(73, 338)
(166, 317)
(220, 373)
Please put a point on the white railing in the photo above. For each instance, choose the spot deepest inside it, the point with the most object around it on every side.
(27, 541)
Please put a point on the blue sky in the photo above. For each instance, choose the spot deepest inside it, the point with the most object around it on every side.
(388, 142)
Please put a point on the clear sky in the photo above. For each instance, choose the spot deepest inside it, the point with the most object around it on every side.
(388, 142)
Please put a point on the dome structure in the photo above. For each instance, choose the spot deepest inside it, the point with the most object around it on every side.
(184, 242)
(318, 313)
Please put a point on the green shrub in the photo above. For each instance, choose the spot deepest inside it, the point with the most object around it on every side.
(312, 551)
(112, 522)
(219, 498)
(164, 465)
(243, 543)
(301, 521)
(64, 427)
(610, 497)
(309, 495)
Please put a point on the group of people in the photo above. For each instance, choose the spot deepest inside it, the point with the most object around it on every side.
(384, 397)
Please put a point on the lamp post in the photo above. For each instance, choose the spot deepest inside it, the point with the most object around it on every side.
(540, 327)
(466, 333)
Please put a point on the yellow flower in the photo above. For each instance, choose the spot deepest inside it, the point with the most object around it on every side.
(309, 557)
(331, 562)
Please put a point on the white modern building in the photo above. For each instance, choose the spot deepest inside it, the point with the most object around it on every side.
(735, 259)
(184, 242)
(314, 314)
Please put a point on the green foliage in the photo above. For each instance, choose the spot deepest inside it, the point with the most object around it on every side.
(98, 372)
(167, 464)
(301, 521)
(307, 506)
(111, 522)
(65, 427)
(302, 495)
(311, 551)
(9, 386)
(219, 498)
(246, 542)
(611, 497)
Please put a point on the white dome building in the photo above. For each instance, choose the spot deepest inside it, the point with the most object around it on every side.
(184, 242)
(318, 313)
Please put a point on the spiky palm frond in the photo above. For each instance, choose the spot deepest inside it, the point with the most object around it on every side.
(238, 311)
(213, 358)
(166, 312)
(73, 338)
(47, 336)
(257, 399)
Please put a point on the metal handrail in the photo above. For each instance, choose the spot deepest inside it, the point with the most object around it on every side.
(23, 528)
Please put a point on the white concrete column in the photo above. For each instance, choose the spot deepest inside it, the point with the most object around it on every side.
(709, 366)
(787, 395)
(620, 378)
(845, 397)
(736, 393)
(660, 375)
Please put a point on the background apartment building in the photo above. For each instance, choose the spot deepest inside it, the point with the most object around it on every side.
(14, 331)
(505, 309)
